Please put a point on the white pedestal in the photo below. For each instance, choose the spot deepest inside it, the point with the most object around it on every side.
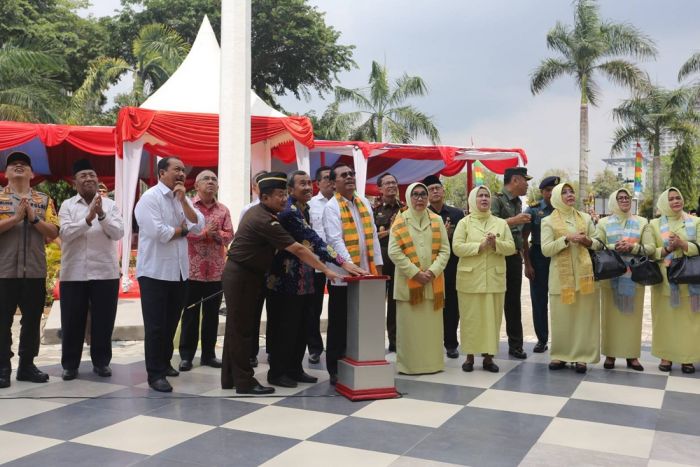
(364, 373)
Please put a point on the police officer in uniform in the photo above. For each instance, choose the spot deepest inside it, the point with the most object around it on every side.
(536, 264)
(507, 205)
(27, 218)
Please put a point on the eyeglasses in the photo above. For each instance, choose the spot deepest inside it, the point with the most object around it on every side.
(349, 173)
(420, 195)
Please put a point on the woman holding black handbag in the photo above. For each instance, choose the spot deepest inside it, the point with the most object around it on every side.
(622, 301)
(573, 295)
(675, 309)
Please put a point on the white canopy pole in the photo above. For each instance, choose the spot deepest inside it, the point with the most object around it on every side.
(234, 113)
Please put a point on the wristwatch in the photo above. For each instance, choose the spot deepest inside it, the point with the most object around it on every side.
(184, 231)
(35, 221)
(102, 217)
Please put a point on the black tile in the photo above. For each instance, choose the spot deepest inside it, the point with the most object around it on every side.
(537, 378)
(678, 421)
(78, 455)
(682, 402)
(322, 397)
(132, 401)
(374, 435)
(482, 437)
(435, 392)
(204, 410)
(224, 447)
(613, 414)
(627, 378)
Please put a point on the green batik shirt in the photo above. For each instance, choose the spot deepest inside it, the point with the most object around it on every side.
(505, 205)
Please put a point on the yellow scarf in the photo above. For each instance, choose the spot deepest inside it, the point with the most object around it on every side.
(350, 236)
(563, 261)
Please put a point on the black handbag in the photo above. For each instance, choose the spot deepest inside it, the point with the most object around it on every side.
(644, 270)
(607, 263)
(684, 270)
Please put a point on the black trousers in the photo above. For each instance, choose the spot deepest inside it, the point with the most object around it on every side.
(337, 326)
(288, 344)
(189, 327)
(29, 295)
(450, 316)
(388, 270)
(511, 306)
(242, 289)
(161, 306)
(539, 293)
(77, 297)
(313, 315)
(255, 343)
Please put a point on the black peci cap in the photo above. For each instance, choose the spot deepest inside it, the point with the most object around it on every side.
(431, 180)
(549, 181)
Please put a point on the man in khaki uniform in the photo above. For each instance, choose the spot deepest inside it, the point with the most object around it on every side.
(27, 218)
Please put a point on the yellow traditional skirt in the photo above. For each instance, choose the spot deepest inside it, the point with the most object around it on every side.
(419, 336)
(480, 316)
(576, 328)
(622, 332)
(675, 331)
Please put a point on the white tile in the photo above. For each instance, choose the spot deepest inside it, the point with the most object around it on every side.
(16, 445)
(520, 402)
(17, 409)
(675, 448)
(614, 439)
(312, 454)
(143, 435)
(454, 375)
(415, 462)
(550, 455)
(285, 422)
(690, 385)
(280, 393)
(410, 411)
(619, 394)
(655, 463)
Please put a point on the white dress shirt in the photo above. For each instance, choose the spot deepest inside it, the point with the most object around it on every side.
(89, 252)
(316, 206)
(245, 209)
(160, 256)
(333, 228)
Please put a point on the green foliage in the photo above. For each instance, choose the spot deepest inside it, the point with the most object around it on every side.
(684, 173)
(58, 191)
(456, 187)
(333, 125)
(293, 50)
(388, 118)
(533, 190)
(606, 182)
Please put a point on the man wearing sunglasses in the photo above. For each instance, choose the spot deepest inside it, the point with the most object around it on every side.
(348, 222)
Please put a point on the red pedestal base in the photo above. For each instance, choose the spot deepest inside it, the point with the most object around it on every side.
(366, 394)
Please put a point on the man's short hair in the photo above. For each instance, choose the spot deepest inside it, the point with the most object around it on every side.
(290, 177)
(336, 166)
(385, 174)
(201, 175)
(164, 163)
(319, 171)
(258, 175)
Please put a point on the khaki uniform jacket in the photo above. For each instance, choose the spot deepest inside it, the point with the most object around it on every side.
(422, 237)
(483, 272)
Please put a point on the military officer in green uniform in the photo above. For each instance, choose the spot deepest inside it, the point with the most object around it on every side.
(507, 205)
(536, 264)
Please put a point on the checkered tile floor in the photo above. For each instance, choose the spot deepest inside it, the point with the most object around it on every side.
(524, 415)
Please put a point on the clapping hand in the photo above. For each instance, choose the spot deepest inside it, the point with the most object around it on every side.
(97, 200)
(21, 211)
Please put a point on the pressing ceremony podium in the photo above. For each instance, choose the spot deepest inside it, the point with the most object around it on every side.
(364, 373)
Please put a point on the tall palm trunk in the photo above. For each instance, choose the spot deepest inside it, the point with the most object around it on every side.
(583, 153)
(380, 128)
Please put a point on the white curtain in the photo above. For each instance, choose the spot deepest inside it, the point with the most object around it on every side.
(360, 163)
(126, 179)
(303, 161)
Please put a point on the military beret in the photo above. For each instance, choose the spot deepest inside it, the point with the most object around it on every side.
(517, 171)
(549, 181)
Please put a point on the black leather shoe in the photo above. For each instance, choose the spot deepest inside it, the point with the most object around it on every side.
(392, 348)
(314, 358)
(468, 367)
(161, 385)
(257, 390)
(557, 365)
(452, 353)
(104, 371)
(333, 379)
(69, 375)
(31, 373)
(254, 362)
(635, 366)
(517, 353)
(212, 362)
(688, 368)
(304, 378)
(609, 363)
(666, 368)
(172, 372)
(581, 368)
(490, 366)
(5, 377)
(540, 347)
(282, 381)
(185, 365)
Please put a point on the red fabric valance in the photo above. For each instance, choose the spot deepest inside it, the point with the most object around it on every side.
(98, 140)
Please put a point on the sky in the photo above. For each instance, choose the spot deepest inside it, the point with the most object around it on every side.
(476, 57)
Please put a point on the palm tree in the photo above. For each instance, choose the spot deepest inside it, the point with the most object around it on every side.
(651, 114)
(588, 49)
(691, 66)
(387, 115)
(158, 51)
(29, 87)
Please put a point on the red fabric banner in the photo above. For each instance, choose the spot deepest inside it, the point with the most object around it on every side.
(98, 140)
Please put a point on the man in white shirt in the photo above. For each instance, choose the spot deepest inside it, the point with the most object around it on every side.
(165, 216)
(346, 214)
(90, 228)
(317, 204)
(256, 194)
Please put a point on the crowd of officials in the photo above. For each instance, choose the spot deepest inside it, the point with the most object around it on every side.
(446, 265)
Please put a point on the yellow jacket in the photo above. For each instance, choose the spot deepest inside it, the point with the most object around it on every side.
(482, 272)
